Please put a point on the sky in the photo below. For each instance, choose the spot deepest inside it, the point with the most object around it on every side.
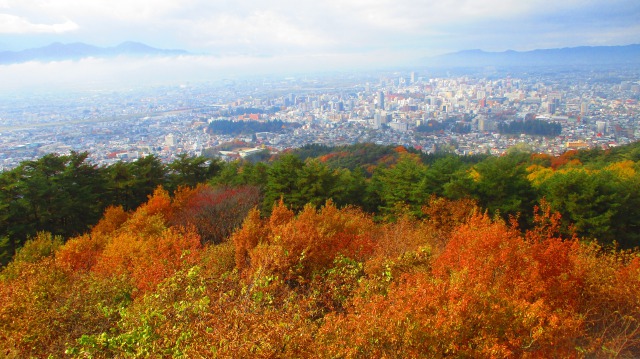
(321, 33)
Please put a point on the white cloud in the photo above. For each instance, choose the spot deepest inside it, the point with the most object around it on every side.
(11, 24)
(277, 27)
(109, 10)
(258, 31)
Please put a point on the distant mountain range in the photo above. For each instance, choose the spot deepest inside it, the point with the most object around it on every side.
(584, 55)
(75, 51)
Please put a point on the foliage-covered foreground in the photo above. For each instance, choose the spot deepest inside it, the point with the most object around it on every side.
(326, 282)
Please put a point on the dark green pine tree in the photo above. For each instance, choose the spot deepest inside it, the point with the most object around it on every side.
(282, 181)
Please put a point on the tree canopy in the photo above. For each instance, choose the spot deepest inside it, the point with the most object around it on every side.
(396, 254)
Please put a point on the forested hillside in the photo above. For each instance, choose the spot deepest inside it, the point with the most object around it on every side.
(228, 127)
(323, 252)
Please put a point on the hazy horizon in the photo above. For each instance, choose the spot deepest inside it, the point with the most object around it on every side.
(286, 27)
(256, 37)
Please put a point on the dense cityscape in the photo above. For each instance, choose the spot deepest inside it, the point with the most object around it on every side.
(458, 113)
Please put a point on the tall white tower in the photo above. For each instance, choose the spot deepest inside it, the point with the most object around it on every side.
(169, 140)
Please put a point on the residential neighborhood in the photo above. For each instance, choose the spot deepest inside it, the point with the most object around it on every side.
(458, 113)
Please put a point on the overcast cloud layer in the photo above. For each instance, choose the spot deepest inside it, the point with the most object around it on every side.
(298, 29)
(273, 27)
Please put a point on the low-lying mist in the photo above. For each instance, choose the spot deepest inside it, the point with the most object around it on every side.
(114, 73)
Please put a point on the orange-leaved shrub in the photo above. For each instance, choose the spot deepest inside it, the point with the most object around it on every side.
(296, 247)
(495, 292)
(44, 306)
(148, 257)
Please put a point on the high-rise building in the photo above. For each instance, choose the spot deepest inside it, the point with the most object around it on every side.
(484, 124)
(481, 123)
(170, 140)
(584, 108)
(290, 100)
(399, 126)
(381, 100)
(377, 120)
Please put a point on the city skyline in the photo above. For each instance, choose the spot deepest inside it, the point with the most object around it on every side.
(459, 114)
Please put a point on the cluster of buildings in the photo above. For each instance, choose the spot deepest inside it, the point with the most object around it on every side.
(459, 113)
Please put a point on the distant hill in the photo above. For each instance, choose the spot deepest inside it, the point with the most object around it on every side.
(75, 51)
(584, 55)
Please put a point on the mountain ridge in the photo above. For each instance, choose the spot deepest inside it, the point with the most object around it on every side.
(580, 55)
(58, 51)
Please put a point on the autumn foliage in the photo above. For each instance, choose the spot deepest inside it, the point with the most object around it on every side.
(330, 282)
(299, 246)
(494, 292)
(213, 212)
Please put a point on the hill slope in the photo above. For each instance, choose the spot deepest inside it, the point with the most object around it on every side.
(75, 51)
(584, 55)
